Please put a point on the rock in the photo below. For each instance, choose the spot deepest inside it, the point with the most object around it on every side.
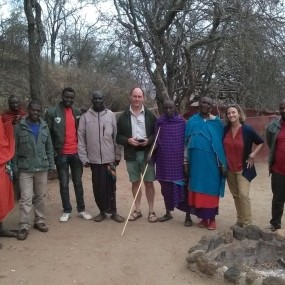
(266, 251)
(193, 256)
(214, 242)
(251, 276)
(267, 235)
(1, 245)
(273, 281)
(198, 247)
(227, 236)
(205, 240)
(239, 233)
(252, 232)
(280, 234)
(219, 274)
(206, 266)
(233, 275)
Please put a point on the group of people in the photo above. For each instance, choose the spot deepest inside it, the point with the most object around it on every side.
(191, 160)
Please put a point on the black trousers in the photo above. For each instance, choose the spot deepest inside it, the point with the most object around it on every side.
(278, 200)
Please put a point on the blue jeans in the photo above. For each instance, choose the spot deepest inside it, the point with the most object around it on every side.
(63, 162)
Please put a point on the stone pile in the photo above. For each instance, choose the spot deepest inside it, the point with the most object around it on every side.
(245, 256)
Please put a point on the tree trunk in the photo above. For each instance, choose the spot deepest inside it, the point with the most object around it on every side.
(36, 37)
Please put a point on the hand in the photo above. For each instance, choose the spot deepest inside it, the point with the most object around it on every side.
(133, 142)
(87, 164)
(250, 162)
(116, 162)
(144, 143)
(186, 170)
(15, 175)
(224, 171)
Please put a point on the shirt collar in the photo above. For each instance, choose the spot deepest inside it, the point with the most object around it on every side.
(141, 112)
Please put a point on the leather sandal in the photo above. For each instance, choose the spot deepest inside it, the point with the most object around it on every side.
(152, 217)
(135, 215)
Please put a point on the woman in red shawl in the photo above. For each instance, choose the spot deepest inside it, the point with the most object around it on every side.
(7, 149)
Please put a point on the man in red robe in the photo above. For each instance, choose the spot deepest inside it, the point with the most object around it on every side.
(7, 149)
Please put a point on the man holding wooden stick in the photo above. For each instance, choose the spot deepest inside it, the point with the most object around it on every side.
(136, 134)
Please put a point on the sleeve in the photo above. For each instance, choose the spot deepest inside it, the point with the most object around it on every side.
(120, 137)
(15, 158)
(49, 151)
(256, 138)
(269, 136)
(82, 145)
(116, 146)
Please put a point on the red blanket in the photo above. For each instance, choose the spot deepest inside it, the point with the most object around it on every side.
(7, 149)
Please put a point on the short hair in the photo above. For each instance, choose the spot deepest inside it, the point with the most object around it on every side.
(242, 116)
(135, 88)
(12, 97)
(34, 102)
(67, 89)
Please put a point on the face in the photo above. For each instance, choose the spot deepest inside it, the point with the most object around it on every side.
(68, 99)
(137, 98)
(205, 105)
(34, 112)
(169, 108)
(98, 101)
(233, 115)
(282, 110)
(14, 104)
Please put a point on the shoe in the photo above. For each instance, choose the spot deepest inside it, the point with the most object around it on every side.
(212, 225)
(100, 217)
(165, 218)
(237, 224)
(203, 224)
(22, 234)
(42, 227)
(65, 217)
(84, 215)
(117, 218)
(272, 228)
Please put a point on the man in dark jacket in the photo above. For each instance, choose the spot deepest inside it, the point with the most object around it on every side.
(62, 120)
(33, 158)
(275, 136)
(136, 134)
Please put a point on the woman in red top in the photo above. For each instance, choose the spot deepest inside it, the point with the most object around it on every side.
(238, 141)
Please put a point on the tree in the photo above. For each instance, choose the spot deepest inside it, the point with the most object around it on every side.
(37, 39)
(186, 45)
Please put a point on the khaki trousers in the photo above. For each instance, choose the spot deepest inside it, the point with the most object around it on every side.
(239, 187)
(33, 191)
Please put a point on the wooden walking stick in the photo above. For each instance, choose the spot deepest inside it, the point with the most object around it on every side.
(139, 188)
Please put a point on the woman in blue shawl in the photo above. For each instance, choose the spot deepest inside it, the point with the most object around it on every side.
(206, 163)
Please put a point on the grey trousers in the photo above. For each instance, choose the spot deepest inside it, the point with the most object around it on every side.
(33, 191)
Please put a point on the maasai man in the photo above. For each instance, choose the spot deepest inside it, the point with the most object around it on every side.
(169, 156)
(98, 150)
(206, 163)
(7, 148)
(15, 112)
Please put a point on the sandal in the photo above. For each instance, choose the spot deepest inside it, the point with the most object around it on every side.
(152, 217)
(135, 215)
(188, 222)
(165, 218)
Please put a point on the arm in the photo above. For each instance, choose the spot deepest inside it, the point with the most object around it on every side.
(116, 146)
(82, 145)
(121, 137)
(256, 139)
(49, 152)
(15, 158)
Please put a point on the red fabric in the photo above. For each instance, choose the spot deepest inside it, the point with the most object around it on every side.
(7, 148)
(234, 150)
(70, 137)
(12, 116)
(279, 165)
(200, 200)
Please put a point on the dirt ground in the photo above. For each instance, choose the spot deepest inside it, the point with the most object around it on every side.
(85, 252)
